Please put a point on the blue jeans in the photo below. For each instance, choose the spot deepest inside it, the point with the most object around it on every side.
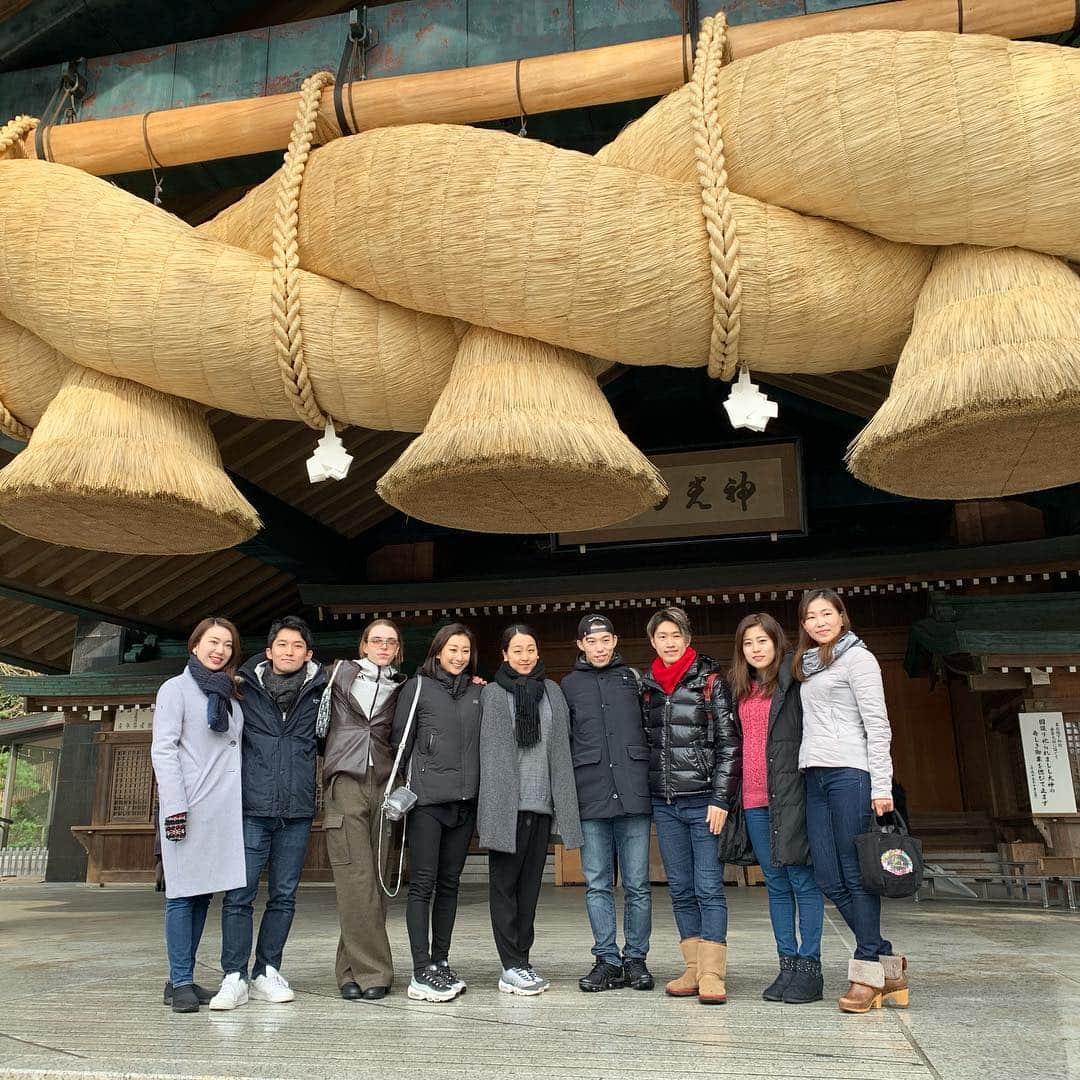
(281, 843)
(627, 836)
(694, 871)
(787, 886)
(837, 810)
(185, 917)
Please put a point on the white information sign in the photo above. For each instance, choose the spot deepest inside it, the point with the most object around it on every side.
(1046, 759)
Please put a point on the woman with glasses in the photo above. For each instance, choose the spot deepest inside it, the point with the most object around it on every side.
(355, 722)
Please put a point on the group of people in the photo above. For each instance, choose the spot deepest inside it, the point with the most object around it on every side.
(780, 757)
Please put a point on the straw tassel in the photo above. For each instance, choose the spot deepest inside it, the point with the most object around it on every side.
(986, 398)
(521, 441)
(114, 466)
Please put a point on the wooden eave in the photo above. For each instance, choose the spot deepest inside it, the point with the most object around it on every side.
(880, 573)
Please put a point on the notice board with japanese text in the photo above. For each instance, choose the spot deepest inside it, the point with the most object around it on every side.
(1046, 762)
(744, 490)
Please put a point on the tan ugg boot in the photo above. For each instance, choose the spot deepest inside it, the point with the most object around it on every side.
(712, 967)
(867, 981)
(895, 990)
(686, 985)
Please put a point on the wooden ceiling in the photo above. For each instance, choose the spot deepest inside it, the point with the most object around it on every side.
(44, 588)
(271, 454)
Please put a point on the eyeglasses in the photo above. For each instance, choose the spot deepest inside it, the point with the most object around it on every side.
(378, 642)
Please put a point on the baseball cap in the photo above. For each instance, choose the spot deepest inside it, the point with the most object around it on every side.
(594, 624)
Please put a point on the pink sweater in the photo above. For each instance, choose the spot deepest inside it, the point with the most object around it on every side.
(754, 717)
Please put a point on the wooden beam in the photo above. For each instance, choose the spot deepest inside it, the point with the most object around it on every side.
(29, 594)
(613, 73)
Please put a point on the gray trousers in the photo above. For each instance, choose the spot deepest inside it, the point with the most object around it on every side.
(352, 844)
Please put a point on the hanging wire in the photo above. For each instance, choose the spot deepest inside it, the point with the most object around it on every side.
(152, 158)
(524, 116)
(65, 101)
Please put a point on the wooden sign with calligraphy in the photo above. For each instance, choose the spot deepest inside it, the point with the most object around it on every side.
(738, 491)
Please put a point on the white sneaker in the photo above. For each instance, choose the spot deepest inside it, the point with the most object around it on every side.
(521, 981)
(538, 979)
(271, 985)
(233, 992)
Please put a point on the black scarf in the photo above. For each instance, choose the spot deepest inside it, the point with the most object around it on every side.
(527, 691)
(456, 685)
(283, 689)
(218, 688)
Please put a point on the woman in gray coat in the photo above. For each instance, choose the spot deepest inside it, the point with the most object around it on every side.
(845, 758)
(196, 756)
(526, 781)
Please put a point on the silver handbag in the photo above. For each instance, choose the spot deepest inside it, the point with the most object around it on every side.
(397, 802)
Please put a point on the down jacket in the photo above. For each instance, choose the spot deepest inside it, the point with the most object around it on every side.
(694, 750)
(279, 751)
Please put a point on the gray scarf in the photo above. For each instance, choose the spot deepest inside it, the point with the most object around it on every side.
(811, 659)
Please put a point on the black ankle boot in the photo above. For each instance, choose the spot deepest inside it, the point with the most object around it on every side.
(807, 985)
(775, 992)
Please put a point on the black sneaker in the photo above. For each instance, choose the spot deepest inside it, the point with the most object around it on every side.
(775, 990)
(604, 976)
(638, 976)
(184, 999)
(432, 984)
(457, 981)
(201, 993)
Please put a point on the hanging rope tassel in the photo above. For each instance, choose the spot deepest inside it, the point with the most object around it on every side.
(716, 199)
(330, 459)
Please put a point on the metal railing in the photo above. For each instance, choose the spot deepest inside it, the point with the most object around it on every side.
(23, 862)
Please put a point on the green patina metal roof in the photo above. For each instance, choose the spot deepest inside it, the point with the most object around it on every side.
(1040, 626)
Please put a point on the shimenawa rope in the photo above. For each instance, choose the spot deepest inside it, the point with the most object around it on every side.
(14, 131)
(716, 199)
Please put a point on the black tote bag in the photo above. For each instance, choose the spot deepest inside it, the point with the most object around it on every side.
(890, 859)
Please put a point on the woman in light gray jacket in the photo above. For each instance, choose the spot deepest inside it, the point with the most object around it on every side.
(526, 782)
(848, 770)
(196, 755)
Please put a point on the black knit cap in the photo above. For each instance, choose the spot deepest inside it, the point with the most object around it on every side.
(594, 624)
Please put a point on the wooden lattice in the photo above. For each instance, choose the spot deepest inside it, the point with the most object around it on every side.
(131, 794)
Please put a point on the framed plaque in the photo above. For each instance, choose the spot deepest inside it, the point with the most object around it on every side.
(741, 491)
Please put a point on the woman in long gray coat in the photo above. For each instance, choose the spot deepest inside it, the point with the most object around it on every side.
(526, 782)
(196, 756)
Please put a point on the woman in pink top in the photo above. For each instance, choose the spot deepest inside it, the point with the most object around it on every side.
(774, 802)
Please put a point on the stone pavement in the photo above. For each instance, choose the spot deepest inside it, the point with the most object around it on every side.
(995, 993)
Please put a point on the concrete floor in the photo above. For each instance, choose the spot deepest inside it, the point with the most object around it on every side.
(996, 993)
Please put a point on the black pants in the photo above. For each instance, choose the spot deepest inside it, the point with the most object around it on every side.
(438, 846)
(514, 888)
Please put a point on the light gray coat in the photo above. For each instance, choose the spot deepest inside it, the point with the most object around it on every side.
(497, 809)
(845, 723)
(198, 772)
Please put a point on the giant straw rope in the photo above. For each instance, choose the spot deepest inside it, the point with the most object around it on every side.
(828, 205)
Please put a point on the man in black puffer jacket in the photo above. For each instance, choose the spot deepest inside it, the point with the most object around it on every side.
(694, 768)
(611, 770)
(282, 690)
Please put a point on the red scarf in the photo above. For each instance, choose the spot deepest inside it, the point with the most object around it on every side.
(669, 676)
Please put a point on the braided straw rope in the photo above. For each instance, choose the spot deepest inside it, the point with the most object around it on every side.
(716, 199)
(13, 132)
(285, 295)
(11, 135)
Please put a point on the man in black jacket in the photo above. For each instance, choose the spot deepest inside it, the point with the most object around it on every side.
(281, 694)
(611, 769)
